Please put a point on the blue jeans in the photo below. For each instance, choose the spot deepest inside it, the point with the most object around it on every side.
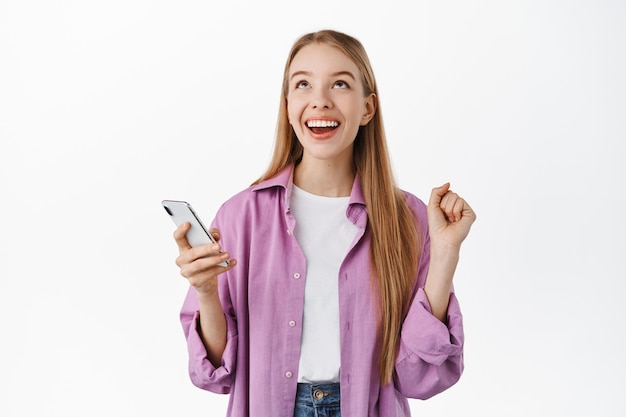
(317, 400)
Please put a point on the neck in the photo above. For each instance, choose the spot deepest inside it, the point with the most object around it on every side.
(324, 178)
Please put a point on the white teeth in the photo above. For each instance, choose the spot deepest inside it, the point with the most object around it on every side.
(322, 123)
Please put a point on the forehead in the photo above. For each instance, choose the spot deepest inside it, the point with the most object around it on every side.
(320, 58)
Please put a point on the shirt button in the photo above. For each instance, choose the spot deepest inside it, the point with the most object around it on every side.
(288, 374)
(296, 275)
(292, 323)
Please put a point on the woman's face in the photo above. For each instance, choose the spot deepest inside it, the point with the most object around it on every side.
(326, 103)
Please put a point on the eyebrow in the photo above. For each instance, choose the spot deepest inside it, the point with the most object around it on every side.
(334, 74)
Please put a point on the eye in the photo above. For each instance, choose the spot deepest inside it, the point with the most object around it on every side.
(302, 84)
(341, 84)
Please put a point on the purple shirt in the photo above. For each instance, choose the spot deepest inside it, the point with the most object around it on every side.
(262, 298)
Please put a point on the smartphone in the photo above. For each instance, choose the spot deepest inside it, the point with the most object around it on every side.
(181, 212)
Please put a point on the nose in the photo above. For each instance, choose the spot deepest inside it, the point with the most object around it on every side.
(321, 99)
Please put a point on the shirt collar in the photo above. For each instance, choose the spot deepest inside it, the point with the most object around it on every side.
(285, 179)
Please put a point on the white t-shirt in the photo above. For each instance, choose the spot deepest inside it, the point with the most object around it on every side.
(325, 234)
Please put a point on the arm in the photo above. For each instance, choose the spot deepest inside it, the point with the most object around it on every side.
(200, 266)
(212, 326)
(449, 222)
(203, 373)
(430, 357)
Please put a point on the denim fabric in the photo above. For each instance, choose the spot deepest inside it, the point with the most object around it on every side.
(318, 400)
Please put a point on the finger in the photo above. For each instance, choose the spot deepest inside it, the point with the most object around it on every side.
(180, 236)
(437, 194)
(468, 212)
(190, 255)
(199, 265)
(215, 233)
(447, 205)
(203, 268)
(457, 209)
(209, 278)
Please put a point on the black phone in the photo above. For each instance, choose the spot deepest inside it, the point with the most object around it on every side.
(181, 212)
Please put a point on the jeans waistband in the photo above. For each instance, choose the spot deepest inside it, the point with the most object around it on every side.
(319, 394)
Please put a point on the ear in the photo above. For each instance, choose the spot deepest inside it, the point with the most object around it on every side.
(370, 109)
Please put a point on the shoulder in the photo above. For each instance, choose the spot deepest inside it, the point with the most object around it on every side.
(415, 203)
(266, 192)
(418, 207)
(248, 212)
(253, 202)
(250, 198)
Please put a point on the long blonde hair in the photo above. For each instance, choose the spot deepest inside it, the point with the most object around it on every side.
(395, 241)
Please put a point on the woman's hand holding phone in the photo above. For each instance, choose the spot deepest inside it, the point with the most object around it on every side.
(201, 264)
(201, 260)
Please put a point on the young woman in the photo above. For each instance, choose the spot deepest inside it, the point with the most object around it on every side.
(340, 299)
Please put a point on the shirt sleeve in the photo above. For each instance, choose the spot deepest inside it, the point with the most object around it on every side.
(201, 371)
(430, 356)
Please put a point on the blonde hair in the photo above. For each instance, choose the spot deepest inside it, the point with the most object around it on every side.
(395, 242)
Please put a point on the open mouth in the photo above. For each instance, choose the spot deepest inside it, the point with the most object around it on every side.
(322, 126)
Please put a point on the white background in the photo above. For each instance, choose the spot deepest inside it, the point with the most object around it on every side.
(106, 108)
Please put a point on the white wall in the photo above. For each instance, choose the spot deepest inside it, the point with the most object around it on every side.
(106, 108)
